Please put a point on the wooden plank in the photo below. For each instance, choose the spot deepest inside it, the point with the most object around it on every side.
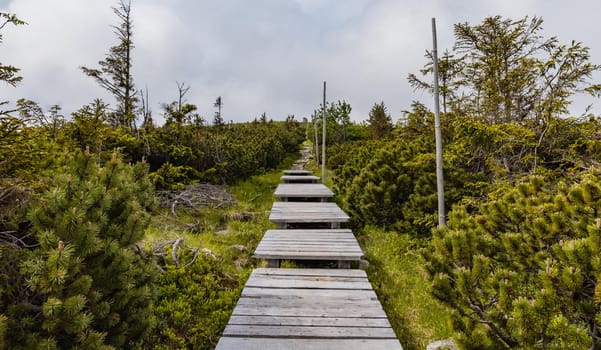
(360, 274)
(308, 309)
(303, 190)
(338, 245)
(308, 283)
(297, 172)
(254, 292)
(280, 331)
(299, 179)
(309, 321)
(326, 256)
(276, 310)
(315, 232)
(307, 212)
(239, 343)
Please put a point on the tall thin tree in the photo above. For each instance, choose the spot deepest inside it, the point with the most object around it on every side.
(115, 72)
(218, 120)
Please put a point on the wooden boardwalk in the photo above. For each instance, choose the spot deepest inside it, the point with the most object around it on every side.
(300, 179)
(336, 245)
(284, 213)
(297, 172)
(308, 309)
(307, 191)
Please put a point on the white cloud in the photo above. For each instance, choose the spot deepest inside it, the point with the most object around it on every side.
(260, 56)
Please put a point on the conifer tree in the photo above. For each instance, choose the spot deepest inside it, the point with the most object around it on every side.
(115, 72)
(8, 73)
(522, 271)
(380, 123)
(92, 290)
(506, 71)
(218, 119)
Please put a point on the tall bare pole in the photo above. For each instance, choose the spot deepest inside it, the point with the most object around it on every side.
(323, 143)
(437, 133)
(316, 140)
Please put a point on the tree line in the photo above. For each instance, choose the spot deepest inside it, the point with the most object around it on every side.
(77, 194)
(517, 262)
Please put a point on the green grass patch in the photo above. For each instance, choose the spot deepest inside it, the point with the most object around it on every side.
(197, 299)
(403, 289)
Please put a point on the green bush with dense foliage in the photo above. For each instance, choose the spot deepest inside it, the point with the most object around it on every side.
(522, 269)
(83, 284)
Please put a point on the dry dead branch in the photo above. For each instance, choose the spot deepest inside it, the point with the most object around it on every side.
(196, 197)
(179, 251)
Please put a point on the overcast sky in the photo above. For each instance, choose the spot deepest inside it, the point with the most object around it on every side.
(267, 56)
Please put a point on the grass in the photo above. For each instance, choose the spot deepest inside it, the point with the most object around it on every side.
(403, 289)
(232, 233)
(394, 269)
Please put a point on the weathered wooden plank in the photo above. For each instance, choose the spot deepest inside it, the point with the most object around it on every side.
(284, 293)
(303, 190)
(311, 308)
(309, 243)
(339, 245)
(273, 247)
(309, 234)
(309, 321)
(308, 311)
(308, 332)
(239, 343)
(327, 256)
(315, 283)
(308, 231)
(299, 179)
(294, 295)
(297, 172)
(314, 308)
(360, 274)
(311, 238)
(307, 212)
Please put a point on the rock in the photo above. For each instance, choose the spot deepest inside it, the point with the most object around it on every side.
(238, 247)
(241, 263)
(447, 344)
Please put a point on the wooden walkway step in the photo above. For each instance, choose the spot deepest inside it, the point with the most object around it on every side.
(299, 179)
(295, 191)
(308, 309)
(284, 213)
(297, 172)
(330, 245)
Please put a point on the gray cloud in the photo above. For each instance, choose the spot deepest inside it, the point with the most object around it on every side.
(261, 56)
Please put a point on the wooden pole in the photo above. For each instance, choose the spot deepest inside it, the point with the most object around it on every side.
(316, 140)
(437, 133)
(323, 143)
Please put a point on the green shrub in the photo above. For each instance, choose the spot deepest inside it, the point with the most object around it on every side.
(195, 304)
(84, 286)
(522, 269)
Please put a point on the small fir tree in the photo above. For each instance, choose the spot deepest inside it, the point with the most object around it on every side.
(522, 271)
(92, 289)
(380, 123)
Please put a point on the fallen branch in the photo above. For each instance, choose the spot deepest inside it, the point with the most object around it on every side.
(175, 256)
(8, 237)
(196, 197)
(178, 250)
